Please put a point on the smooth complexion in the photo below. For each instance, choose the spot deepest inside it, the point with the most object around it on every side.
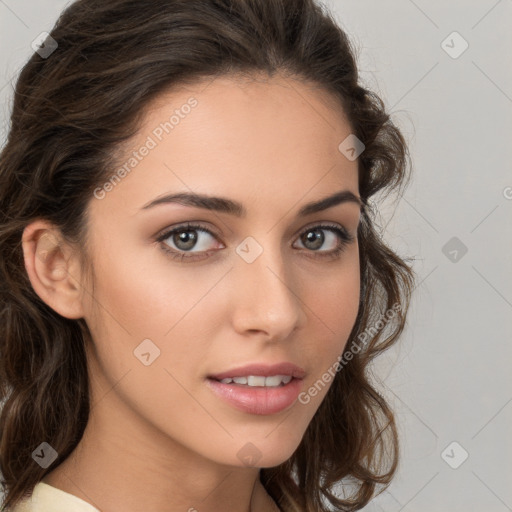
(158, 438)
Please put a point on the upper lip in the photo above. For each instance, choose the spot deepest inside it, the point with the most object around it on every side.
(261, 369)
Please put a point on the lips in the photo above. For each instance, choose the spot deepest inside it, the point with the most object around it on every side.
(263, 370)
(253, 398)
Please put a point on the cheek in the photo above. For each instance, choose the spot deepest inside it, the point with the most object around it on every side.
(333, 306)
(139, 290)
(160, 318)
(137, 299)
(334, 297)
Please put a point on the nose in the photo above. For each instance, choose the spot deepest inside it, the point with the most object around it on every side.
(266, 297)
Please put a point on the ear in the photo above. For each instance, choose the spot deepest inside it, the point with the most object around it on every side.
(53, 268)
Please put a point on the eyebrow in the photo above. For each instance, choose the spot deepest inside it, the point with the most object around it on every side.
(225, 205)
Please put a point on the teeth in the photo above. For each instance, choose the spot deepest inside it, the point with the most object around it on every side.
(272, 381)
(259, 381)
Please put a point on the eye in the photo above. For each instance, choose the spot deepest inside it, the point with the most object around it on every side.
(190, 236)
(314, 238)
(186, 238)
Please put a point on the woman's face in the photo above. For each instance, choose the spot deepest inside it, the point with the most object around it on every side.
(259, 283)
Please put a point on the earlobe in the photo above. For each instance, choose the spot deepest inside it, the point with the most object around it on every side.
(52, 268)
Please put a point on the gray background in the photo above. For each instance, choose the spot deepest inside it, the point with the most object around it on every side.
(448, 379)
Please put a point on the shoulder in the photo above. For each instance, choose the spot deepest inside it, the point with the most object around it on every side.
(46, 498)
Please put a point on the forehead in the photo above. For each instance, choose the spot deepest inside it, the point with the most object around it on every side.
(251, 109)
(260, 137)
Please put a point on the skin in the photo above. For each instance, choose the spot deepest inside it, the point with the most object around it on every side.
(158, 439)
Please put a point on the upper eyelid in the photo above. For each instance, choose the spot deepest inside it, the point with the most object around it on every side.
(166, 232)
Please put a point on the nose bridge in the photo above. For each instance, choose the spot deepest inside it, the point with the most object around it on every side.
(266, 299)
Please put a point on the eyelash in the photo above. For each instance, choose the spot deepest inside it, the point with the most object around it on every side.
(345, 239)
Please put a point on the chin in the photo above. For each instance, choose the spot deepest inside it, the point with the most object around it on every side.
(266, 450)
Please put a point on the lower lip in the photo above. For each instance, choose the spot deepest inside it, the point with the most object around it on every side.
(256, 399)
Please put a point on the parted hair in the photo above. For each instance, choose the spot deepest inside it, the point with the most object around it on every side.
(71, 112)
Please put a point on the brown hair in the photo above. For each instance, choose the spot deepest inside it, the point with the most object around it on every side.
(72, 111)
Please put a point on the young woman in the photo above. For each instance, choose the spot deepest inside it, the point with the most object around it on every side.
(192, 282)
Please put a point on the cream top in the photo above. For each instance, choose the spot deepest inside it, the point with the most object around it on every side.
(46, 498)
